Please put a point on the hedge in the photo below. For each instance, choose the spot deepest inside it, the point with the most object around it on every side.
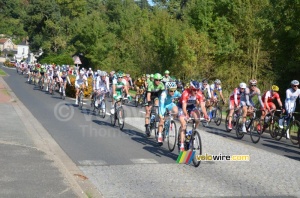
(71, 91)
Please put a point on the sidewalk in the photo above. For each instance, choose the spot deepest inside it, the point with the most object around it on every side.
(29, 157)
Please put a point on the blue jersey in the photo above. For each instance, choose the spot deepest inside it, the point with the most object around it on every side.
(166, 99)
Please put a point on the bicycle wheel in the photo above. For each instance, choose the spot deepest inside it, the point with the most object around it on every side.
(103, 108)
(121, 117)
(80, 102)
(294, 130)
(227, 122)
(62, 92)
(272, 126)
(154, 129)
(179, 138)
(255, 130)
(113, 119)
(196, 146)
(239, 124)
(278, 132)
(136, 101)
(172, 136)
(218, 116)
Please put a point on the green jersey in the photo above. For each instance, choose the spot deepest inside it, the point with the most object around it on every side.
(119, 86)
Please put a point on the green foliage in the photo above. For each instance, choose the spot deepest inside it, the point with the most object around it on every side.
(61, 59)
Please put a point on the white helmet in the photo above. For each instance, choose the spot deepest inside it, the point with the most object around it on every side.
(217, 81)
(81, 72)
(295, 82)
(243, 85)
(171, 85)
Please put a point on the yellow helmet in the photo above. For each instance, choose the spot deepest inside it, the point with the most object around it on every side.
(275, 88)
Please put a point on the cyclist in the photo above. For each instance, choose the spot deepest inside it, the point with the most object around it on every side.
(80, 82)
(290, 102)
(190, 99)
(254, 91)
(101, 87)
(268, 99)
(42, 74)
(166, 77)
(50, 76)
(153, 92)
(90, 73)
(117, 88)
(239, 98)
(63, 78)
(180, 85)
(139, 86)
(216, 87)
(166, 102)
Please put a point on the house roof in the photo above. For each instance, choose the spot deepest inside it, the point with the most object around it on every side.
(24, 42)
(3, 40)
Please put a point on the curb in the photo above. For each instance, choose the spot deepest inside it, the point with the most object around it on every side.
(81, 186)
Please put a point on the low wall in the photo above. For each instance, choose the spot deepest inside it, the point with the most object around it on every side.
(2, 60)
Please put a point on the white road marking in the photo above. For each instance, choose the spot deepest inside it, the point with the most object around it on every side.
(144, 161)
(92, 163)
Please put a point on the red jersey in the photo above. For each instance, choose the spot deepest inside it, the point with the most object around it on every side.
(186, 97)
(237, 92)
(270, 96)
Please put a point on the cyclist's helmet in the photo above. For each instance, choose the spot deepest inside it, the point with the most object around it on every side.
(151, 75)
(103, 73)
(295, 82)
(81, 72)
(217, 81)
(157, 76)
(275, 88)
(119, 75)
(194, 85)
(167, 72)
(43, 67)
(243, 85)
(252, 82)
(171, 85)
(205, 81)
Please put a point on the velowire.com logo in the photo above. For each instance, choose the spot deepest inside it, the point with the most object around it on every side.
(186, 157)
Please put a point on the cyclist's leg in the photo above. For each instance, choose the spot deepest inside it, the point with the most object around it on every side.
(231, 111)
(77, 87)
(245, 110)
(147, 118)
(182, 128)
(196, 114)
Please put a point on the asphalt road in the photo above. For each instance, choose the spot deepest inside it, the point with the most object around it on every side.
(84, 136)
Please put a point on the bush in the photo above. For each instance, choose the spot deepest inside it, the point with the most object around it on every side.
(71, 91)
(7, 63)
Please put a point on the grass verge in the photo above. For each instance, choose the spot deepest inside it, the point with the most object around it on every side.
(2, 73)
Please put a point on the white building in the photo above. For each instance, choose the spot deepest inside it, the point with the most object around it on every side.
(23, 51)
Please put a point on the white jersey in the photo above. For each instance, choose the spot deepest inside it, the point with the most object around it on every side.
(254, 93)
(50, 73)
(214, 89)
(107, 82)
(204, 89)
(290, 101)
(80, 80)
(101, 85)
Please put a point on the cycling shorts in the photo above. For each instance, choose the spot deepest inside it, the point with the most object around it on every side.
(189, 109)
(231, 104)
